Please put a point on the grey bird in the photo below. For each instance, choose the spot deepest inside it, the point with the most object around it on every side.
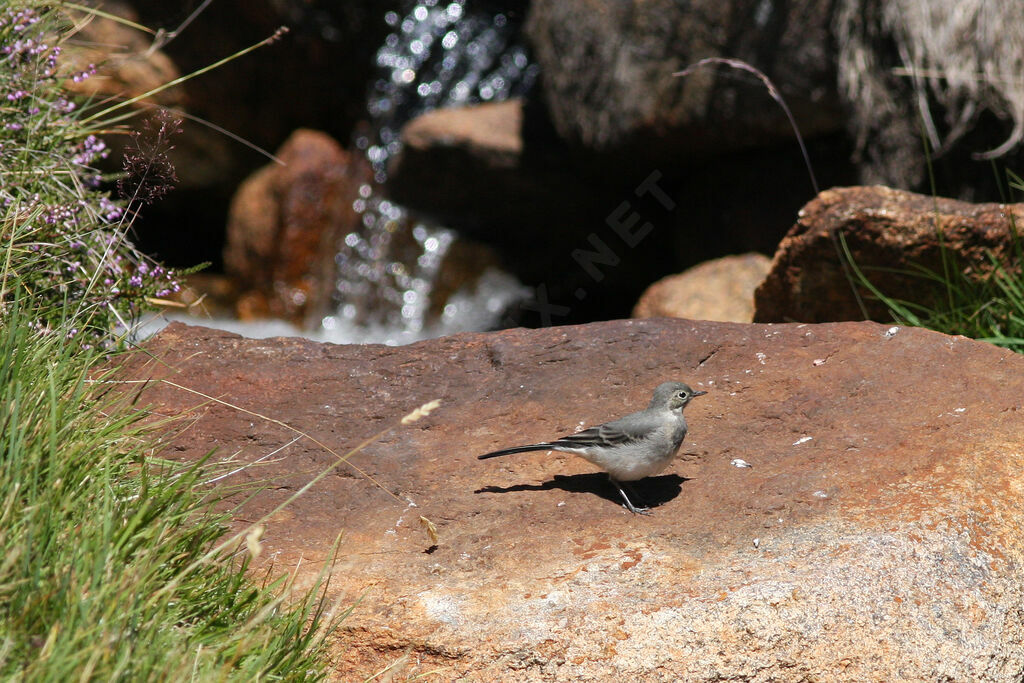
(632, 447)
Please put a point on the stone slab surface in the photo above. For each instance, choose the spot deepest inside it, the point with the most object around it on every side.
(877, 535)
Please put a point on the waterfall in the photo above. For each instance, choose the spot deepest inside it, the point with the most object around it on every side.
(438, 54)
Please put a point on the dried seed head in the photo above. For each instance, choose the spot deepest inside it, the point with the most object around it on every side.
(422, 411)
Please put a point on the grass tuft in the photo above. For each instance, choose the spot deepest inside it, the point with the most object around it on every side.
(94, 527)
(112, 559)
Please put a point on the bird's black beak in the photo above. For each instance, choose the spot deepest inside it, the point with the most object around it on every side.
(699, 393)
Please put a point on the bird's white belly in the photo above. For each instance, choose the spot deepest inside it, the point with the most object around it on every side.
(632, 462)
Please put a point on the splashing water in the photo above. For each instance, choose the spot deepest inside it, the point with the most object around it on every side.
(439, 54)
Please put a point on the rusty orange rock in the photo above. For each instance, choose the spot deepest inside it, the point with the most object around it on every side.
(285, 224)
(889, 234)
(721, 289)
(876, 535)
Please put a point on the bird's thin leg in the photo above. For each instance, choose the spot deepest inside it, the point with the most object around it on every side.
(629, 505)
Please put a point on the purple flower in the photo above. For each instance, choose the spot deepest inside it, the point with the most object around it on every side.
(90, 149)
(19, 21)
(60, 214)
(51, 61)
(110, 212)
(82, 75)
(23, 50)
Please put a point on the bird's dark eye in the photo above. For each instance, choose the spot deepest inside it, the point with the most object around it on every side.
(681, 394)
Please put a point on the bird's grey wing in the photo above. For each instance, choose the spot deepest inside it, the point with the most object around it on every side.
(629, 429)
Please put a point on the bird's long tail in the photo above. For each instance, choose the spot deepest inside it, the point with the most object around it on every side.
(519, 449)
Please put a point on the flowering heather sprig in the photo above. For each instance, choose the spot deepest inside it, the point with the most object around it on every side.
(149, 173)
(67, 233)
(90, 149)
(19, 21)
(109, 211)
(83, 75)
(60, 214)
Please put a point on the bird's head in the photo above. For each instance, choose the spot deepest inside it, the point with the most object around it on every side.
(673, 395)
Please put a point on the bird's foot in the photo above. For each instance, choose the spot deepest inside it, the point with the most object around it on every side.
(627, 503)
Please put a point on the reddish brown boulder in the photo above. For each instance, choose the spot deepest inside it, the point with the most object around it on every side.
(810, 281)
(490, 132)
(875, 537)
(457, 163)
(285, 223)
(721, 289)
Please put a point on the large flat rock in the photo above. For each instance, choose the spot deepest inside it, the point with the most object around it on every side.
(877, 535)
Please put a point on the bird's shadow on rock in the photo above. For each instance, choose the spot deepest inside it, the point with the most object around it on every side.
(652, 491)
